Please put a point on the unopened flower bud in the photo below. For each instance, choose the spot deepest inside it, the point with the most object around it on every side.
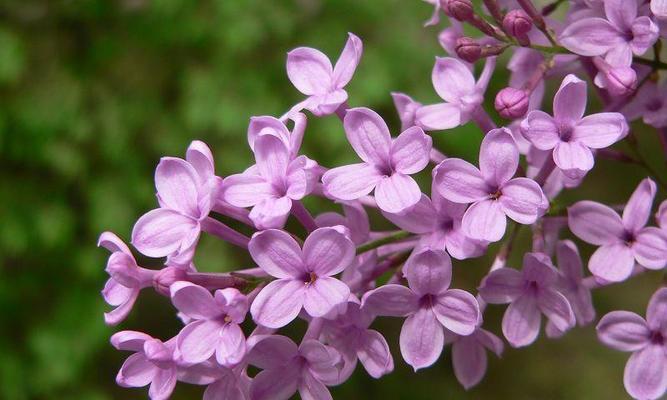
(166, 277)
(468, 49)
(517, 23)
(512, 103)
(620, 81)
(460, 10)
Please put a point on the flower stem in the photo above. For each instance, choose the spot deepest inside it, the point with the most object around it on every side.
(394, 237)
(224, 232)
(304, 216)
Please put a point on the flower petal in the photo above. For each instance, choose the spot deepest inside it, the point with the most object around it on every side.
(452, 79)
(309, 70)
(645, 375)
(541, 130)
(556, 307)
(503, 285)
(638, 209)
(469, 361)
(569, 261)
(601, 130)
(177, 186)
(521, 200)
(374, 354)
(428, 272)
(521, 322)
(410, 151)
(276, 383)
(163, 384)
(245, 190)
(570, 100)
(421, 339)
(193, 300)
(277, 253)
(485, 220)
(231, 346)
(273, 157)
(278, 303)
(650, 248)
(590, 37)
(623, 330)
(136, 371)
(200, 157)
(498, 157)
(161, 232)
(573, 158)
(390, 300)
(197, 340)
(271, 351)
(397, 193)
(351, 182)
(595, 223)
(419, 218)
(439, 116)
(458, 311)
(369, 135)
(327, 252)
(612, 262)
(656, 312)
(271, 213)
(459, 181)
(311, 388)
(348, 61)
(323, 295)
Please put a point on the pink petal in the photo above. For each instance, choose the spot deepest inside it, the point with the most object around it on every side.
(374, 354)
(623, 330)
(569, 261)
(161, 232)
(650, 248)
(501, 286)
(200, 157)
(177, 184)
(397, 193)
(246, 190)
(275, 384)
(369, 136)
(573, 158)
(113, 243)
(325, 104)
(595, 223)
(123, 309)
(469, 361)
(277, 253)
(278, 303)
(267, 125)
(656, 312)
(590, 37)
(271, 351)
(311, 388)
(198, 340)
(601, 130)
(645, 375)
(612, 262)
(136, 371)
(428, 272)
(351, 181)
(490, 341)
(541, 130)
(273, 157)
(556, 307)
(638, 209)
(271, 213)
(129, 340)
(452, 79)
(348, 61)
(323, 295)
(570, 100)
(521, 322)
(390, 300)
(439, 116)
(521, 200)
(406, 108)
(309, 70)
(621, 13)
(163, 384)
(485, 220)
(460, 182)
(659, 8)
(231, 346)
(498, 157)
(421, 339)
(420, 218)
(460, 246)
(410, 151)
(194, 301)
(327, 252)
(224, 389)
(458, 311)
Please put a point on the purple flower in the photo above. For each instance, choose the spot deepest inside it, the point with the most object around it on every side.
(456, 85)
(350, 335)
(387, 164)
(270, 186)
(469, 355)
(230, 384)
(186, 190)
(214, 326)
(569, 135)
(438, 222)
(310, 71)
(530, 292)
(571, 284)
(126, 278)
(645, 374)
(491, 190)
(267, 125)
(623, 240)
(650, 104)
(287, 368)
(304, 278)
(429, 305)
(618, 37)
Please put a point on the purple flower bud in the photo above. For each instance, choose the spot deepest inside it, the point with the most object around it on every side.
(517, 23)
(511, 103)
(620, 80)
(468, 49)
(460, 10)
(166, 277)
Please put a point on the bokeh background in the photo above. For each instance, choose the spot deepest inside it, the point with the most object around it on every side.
(93, 92)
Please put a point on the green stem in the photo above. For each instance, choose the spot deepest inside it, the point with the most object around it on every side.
(394, 237)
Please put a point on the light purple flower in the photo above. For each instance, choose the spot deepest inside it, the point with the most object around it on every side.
(491, 190)
(186, 191)
(230, 384)
(310, 71)
(287, 369)
(455, 84)
(305, 277)
(650, 104)
(387, 164)
(268, 125)
(529, 292)
(469, 355)
(429, 305)
(571, 285)
(618, 37)
(623, 240)
(126, 278)
(270, 186)
(645, 374)
(438, 223)
(214, 326)
(568, 133)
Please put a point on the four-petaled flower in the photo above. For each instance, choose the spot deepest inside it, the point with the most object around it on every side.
(469, 354)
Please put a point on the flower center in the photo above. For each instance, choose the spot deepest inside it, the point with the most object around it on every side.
(565, 132)
(426, 301)
(310, 278)
(496, 195)
(629, 237)
(657, 338)
(227, 319)
(654, 105)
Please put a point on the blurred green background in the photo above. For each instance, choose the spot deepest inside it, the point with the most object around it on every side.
(93, 92)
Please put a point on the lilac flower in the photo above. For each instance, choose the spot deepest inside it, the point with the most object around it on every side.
(287, 368)
(569, 135)
(267, 125)
(469, 355)
(270, 186)
(304, 276)
(350, 335)
(645, 374)
(214, 326)
(438, 222)
(310, 71)
(571, 284)
(230, 384)
(618, 37)
(126, 278)
(429, 305)
(623, 240)
(186, 190)
(491, 189)
(456, 85)
(529, 292)
(387, 164)
(650, 104)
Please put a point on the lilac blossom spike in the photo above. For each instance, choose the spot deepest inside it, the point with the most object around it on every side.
(494, 194)
(387, 164)
(568, 133)
(645, 374)
(428, 304)
(622, 240)
(529, 292)
(304, 277)
(310, 71)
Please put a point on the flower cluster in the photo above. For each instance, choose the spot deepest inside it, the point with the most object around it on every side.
(340, 275)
